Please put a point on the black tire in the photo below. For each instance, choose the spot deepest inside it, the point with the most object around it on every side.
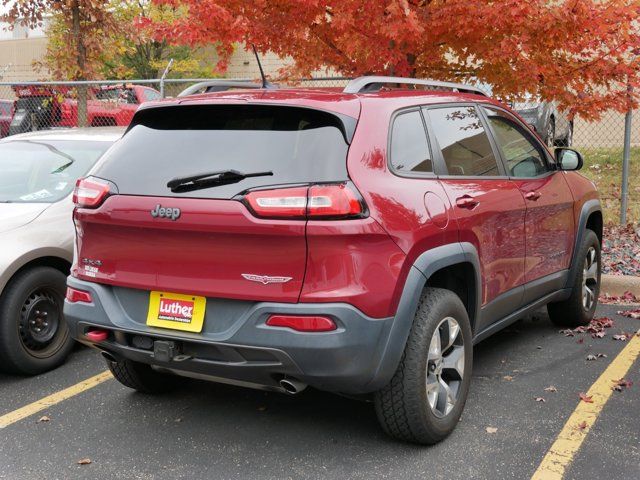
(143, 378)
(402, 407)
(33, 295)
(573, 312)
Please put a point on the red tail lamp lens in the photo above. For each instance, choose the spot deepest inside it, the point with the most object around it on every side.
(75, 296)
(319, 201)
(333, 201)
(90, 192)
(302, 323)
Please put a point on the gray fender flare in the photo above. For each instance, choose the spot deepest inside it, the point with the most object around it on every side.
(589, 207)
(422, 269)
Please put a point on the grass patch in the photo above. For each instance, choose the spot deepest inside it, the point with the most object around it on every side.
(604, 167)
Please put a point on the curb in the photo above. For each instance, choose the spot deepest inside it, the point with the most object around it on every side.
(617, 285)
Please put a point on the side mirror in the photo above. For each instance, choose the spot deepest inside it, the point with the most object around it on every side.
(568, 159)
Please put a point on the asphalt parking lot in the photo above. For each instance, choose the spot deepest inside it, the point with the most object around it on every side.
(217, 431)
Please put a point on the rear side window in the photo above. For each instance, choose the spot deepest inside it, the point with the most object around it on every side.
(409, 147)
(298, 145)
(463, 141)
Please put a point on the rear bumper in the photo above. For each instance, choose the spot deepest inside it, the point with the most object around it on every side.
(236, 346)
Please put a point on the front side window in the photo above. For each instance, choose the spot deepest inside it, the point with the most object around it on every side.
(463, 141)
(409, 147)
(524, 159)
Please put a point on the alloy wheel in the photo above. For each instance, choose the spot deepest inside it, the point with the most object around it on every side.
(445, 367)
(589, 279)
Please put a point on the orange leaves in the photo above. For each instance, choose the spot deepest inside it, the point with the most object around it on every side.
(577, 53)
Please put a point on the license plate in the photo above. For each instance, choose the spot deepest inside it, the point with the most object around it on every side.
(176, 311)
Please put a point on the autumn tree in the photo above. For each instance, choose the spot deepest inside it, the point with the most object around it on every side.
(582, 53)
(85, 24)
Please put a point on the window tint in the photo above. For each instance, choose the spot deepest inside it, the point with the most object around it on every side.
(464, 143)
(409, 147)
(523, 157)
(299, 145)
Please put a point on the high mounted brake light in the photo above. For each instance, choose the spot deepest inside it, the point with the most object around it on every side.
(336, 201)
(90, 192)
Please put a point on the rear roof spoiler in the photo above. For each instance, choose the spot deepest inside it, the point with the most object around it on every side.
(220, 86)
(375, 83)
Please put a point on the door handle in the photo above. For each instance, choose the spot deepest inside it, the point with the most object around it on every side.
(532, 195)
(467, 202)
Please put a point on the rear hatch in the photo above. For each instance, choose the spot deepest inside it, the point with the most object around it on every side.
(204, 238)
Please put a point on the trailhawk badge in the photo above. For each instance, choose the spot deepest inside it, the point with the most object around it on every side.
(264, 279)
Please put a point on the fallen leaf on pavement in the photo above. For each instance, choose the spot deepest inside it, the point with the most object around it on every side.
(585, 398)
(84, 461)
(508, 378)
(630, 313)
(540, 399)
(621, 384)
(551, 389)
(44, 418)
(491, 429)
(591, 357)
(623, 337)
(582, 426)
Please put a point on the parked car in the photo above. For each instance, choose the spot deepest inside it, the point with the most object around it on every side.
(38, 172)
(109, 105)
(6, 114)
(553, 125)
(36, 108)
(359, 242)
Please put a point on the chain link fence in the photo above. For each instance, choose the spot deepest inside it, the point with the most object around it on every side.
(29, 106)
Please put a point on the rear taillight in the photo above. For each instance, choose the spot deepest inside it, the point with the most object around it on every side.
(78, 296)
(337, 201)
(90, 192)
(302, 323)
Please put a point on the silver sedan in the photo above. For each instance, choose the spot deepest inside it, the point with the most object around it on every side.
(38, 172)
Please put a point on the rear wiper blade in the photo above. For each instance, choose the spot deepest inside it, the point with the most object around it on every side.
(210, 179)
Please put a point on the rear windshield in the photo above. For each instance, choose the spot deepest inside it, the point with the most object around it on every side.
(298, 145)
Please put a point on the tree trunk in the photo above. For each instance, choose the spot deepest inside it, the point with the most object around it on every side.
(81, 57)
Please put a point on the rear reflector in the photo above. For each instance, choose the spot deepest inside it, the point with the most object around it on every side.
(337, 201)
(302, 323)
(96, 335)
(75, 296)
(90, 192)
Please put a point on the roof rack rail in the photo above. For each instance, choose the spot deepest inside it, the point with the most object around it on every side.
(220, 86)
(375, 83)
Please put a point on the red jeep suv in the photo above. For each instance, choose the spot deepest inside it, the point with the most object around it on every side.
(359, 242)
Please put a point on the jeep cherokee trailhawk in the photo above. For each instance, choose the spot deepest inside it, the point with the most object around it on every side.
(358, 242)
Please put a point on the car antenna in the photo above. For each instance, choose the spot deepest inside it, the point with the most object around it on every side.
(265, 82)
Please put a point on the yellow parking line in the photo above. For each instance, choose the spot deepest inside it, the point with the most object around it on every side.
(564, 449)
(53, 399)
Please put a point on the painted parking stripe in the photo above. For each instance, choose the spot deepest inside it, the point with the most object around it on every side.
(53, 399)
(564, 449)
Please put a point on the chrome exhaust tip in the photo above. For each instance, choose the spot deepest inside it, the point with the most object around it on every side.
(108, 356)
(292, 386)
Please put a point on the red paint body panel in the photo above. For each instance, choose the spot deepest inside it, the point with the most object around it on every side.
(549, 225)
(352, 261)
(205, 253)
(495, 227)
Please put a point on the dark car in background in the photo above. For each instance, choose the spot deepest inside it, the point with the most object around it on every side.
(553, 125)
(6, 114)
